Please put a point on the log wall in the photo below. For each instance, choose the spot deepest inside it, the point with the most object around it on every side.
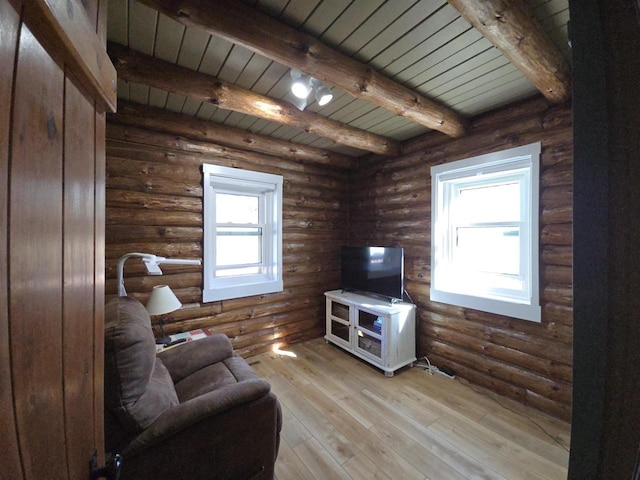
(154, 205)
(390, 205)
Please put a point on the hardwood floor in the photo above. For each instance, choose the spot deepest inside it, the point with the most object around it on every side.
(345, 419)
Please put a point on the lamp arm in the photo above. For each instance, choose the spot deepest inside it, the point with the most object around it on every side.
(151, 263)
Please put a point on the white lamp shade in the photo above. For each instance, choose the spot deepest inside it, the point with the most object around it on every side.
(162, 300)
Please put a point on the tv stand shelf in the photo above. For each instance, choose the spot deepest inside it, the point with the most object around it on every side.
(378, 331)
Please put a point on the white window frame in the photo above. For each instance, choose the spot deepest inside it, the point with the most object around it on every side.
(450, 282)
(268, 188)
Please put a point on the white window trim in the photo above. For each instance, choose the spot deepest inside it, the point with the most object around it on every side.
(235, 180)
(528, 157)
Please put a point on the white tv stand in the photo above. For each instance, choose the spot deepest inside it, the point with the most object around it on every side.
(378, 331)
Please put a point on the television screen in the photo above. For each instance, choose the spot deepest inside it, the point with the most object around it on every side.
(377, 270)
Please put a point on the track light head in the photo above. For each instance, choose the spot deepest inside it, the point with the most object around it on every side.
(301, 86)
(323, 94)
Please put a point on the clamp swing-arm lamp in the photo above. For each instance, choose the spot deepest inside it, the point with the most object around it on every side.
(151, 262)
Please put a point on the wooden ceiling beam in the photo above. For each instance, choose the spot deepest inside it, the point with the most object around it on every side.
(246, 26)
(133, 66)
(165, 121)
(511, 26)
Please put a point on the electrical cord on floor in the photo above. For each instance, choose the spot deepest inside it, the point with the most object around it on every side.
(431, 369)
(542, 429)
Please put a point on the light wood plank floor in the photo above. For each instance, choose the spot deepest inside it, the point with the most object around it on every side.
(345, 419)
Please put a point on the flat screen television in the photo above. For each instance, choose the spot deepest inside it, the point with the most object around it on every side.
(377, 270)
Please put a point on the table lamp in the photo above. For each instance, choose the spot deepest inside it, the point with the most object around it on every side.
(162, 301)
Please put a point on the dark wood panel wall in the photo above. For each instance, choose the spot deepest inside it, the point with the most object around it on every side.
(154, 205)
(51, 255)
(390, 205)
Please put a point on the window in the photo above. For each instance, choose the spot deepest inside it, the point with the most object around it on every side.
(484, 233)
(242, 233)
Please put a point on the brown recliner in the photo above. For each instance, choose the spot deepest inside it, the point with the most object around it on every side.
(196, 411)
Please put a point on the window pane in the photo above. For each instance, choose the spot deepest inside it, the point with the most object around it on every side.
(236, 208)
(493, 203)
(490, 249)
(238, 246)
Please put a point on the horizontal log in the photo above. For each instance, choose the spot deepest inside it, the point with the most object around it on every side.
(192, 127)
(418, 210)
(562, 214)
(125, 216)
(405, 225)
(557, 255)
(553, 408)
(396, 200)
(142, 234)
(558, 117)
(394, 238)
(185, 295)
(161, 186)
(191, 250)
(325, 280)
(310, 223)
(557, 234)
(558, 294)
(557, 175)
(300, 187)
(381, 190)
(135, 268)
(316, 215)
(557, 274)
(562, 314)
(557, 154)
(152, 201)
(557, 196)
(320, 203)
(145, 283)
(133, 167)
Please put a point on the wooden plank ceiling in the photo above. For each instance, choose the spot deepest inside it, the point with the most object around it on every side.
(423, 45)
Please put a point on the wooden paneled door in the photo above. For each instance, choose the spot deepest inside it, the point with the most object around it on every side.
(56, 84)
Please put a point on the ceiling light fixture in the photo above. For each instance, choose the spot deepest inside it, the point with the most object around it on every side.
(301, 87)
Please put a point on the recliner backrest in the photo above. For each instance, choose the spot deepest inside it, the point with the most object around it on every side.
(138, 387)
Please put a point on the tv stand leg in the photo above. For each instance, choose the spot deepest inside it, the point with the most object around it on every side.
(388, 374)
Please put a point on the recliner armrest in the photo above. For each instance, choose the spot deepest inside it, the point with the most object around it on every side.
(196, 410)
(186, 359)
